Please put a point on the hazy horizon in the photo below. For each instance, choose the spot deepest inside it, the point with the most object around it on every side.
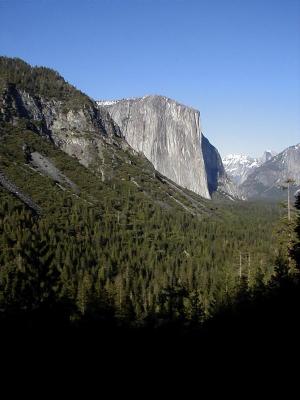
(236, 62)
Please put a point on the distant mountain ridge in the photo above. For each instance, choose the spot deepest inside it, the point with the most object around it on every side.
(264, 177)
(268, 180)
(240, 166)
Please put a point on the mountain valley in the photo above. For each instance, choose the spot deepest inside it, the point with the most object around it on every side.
(122, 212)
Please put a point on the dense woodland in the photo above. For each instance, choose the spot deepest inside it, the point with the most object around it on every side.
(90, 264)
(112, 254)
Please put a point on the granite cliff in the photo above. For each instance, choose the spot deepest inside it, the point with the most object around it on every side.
(169, 135)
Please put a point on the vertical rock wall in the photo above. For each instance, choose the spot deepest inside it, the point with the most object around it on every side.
(168, 134)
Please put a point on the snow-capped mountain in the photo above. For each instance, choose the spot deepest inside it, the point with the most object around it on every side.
(268, 179)
(239, 166)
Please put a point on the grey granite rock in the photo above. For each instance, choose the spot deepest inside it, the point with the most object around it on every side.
(81, 133)
(168, 134)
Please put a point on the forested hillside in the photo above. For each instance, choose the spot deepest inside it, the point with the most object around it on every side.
(110, 251)
(103, 238)
(40, 81)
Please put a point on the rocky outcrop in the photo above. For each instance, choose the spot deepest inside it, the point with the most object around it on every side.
(268, 180)
(80, 132)
(168, 134)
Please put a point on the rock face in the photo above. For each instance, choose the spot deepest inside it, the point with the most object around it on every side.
(168, 134)
(213, 165)
(267, 180)
(80, 132)
(217, 177)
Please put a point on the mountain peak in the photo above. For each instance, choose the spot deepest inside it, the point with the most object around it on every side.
(267, 155)
(239, 166)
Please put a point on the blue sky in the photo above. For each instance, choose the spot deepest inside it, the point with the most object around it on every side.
(237, 61)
